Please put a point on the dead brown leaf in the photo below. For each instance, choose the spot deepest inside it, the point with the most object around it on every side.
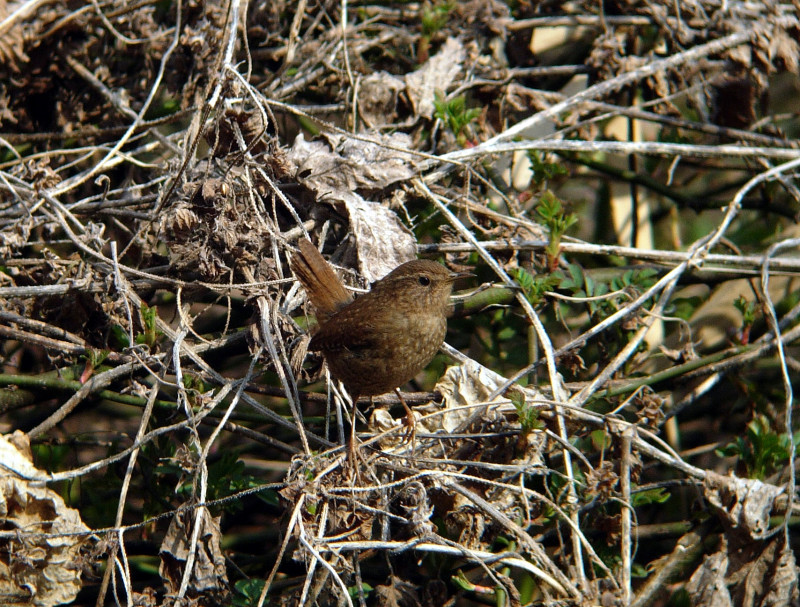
(396, 593)
(209, 580)
(744, 504)
(41, 565)
(437, 74)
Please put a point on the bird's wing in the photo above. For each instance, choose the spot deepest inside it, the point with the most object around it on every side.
(351, 328)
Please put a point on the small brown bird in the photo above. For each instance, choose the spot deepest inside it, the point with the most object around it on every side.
(382, 339)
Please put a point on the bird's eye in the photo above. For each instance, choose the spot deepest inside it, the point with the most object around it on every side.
(424, 281)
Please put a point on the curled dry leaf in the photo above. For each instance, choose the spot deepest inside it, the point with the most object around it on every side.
(437, 74)
(462, 387)
(377, 98)
(209, 577)
(783, 588)
(707, 585)
(382, 422)
(223, 135)
(382, 242)
(418, 510)
(467, 522)
(602, 481)
(396, 593)
(41, 561)
(337, 169)
(745, 504)
(12, 47)
(743, 572)
(338, 164)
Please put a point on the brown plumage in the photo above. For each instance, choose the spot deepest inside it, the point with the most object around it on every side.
(323, 286)
(383, 338)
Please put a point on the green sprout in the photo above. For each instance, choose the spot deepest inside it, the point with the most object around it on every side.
(534, 288)
(433, 18)
(544, 171)
(528, 415)
(557, 221)
(151, 332)
(94, 358)
(455, 114)
(762, 450)
(748, 312)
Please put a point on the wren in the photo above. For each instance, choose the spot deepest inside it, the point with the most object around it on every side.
(381, 339)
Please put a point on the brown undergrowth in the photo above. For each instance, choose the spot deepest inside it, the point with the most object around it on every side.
(610, 420)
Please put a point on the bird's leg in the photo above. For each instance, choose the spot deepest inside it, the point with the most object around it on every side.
(354, 457)
(411, 433)
(353, 439)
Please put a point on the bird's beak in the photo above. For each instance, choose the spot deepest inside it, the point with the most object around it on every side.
(456, 275)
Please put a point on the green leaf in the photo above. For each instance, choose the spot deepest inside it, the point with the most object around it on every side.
(247, 592)
(600, 439)
(575, 280)
(535, 288)
(747, 310)
(462, 582)
(762, 450)
(651, 496)
(454, 113)
(543, 171)
(528, 414)
(120, 337)
(353, 590)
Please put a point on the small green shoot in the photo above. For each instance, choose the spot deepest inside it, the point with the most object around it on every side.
(354, 592)
(535, 288)
(462, 582)
(434, 17)
(544, 171)
(94, 358)
(487, 594)
(455, 114)
(528, 415)
(151, 332)
(247, 592)
(552, 213)
(762, 451)
(748, 312)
